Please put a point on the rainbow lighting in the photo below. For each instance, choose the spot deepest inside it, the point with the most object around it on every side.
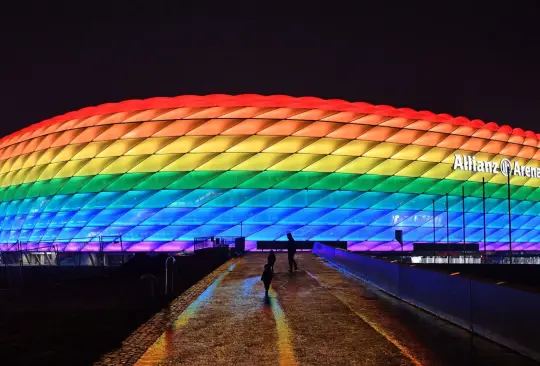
(160, 172)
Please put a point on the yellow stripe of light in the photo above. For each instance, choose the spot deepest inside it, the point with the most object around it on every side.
(31, 159)
(329, 163)
(389, 167)
(384, 150)
(49, 172)
(284, 342)
(323, 146)
(255, 143)
(218, 144)
(91, 150)
(257, 162)
(154, 163)
(70, 168)
(67, 153)
(355, 148)
(224, 161)
(188, 162)
(18, 163)
(411, 152)
(150, 146)
(119, 147)
(183, 144)
(260, 162)
(94, 166)
(121, 164)
(48, 155)
(296, 162)
(360, 165)
(291, 144)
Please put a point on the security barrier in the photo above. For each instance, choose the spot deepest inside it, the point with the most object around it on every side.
(505, 315)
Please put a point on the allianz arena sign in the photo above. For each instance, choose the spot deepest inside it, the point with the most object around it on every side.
(504, 167)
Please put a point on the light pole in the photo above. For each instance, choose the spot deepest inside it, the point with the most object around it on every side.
(484, 210)
(510, 218)
(433, 218)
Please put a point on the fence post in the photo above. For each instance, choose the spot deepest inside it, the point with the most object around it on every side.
(167, 275)
(399, 281)
(21, 263)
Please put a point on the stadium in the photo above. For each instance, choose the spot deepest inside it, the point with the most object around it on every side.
(159, 173)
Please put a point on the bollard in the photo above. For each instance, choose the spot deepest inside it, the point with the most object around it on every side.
(167, 275)
(153, 282)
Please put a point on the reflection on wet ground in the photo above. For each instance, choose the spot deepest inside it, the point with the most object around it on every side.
(164, 346)
(316, 316)
(285, 347)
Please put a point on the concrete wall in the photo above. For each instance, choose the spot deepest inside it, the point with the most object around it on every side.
(506, 315)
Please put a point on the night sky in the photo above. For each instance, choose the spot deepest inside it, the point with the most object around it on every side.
(478, 62)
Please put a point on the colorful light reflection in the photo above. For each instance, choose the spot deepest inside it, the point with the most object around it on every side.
(163, 347)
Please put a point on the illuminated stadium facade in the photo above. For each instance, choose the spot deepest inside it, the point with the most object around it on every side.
(158, 173)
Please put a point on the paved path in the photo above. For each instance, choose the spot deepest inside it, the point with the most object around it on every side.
(317, 316)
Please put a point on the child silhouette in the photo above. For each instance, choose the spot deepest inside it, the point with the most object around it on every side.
(267, 278)
(272, 259)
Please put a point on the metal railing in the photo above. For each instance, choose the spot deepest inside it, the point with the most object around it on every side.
(212, 242)
(55, 253)
(504, 314)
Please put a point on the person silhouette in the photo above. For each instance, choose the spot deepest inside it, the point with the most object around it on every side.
(291, 251)
(272, 259)
(266, 278)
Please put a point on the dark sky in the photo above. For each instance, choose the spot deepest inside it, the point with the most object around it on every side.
(476, 61)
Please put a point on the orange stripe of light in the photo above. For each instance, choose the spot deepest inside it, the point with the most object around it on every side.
(213, 127)
(249, 127)
(284, 128)
(280, 128)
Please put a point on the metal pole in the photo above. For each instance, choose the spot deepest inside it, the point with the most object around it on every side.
(463, 211)
(167, 274)
(433, 218)
(447, 222)
(19, 246)
(448, 227)
(122, 249)
(484, 209)
(509, 218)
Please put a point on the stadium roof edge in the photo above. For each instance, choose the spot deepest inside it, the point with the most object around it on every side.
(273, 101)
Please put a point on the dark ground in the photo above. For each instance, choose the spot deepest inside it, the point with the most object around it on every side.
(76, 322)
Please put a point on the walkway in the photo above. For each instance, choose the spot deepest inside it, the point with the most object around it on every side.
(317, 316)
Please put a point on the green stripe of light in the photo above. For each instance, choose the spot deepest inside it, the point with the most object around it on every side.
(263, 180)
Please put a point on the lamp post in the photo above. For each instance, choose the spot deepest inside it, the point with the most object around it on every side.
(484, 210)
(463, 213)
(433, 218)
(510, 219)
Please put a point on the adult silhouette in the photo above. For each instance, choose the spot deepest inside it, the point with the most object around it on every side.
(291, 251)
(267, 279)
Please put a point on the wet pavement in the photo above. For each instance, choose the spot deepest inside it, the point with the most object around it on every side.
(316, 316)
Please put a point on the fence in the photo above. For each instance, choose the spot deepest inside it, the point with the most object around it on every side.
(505, 315)
(212, 242)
